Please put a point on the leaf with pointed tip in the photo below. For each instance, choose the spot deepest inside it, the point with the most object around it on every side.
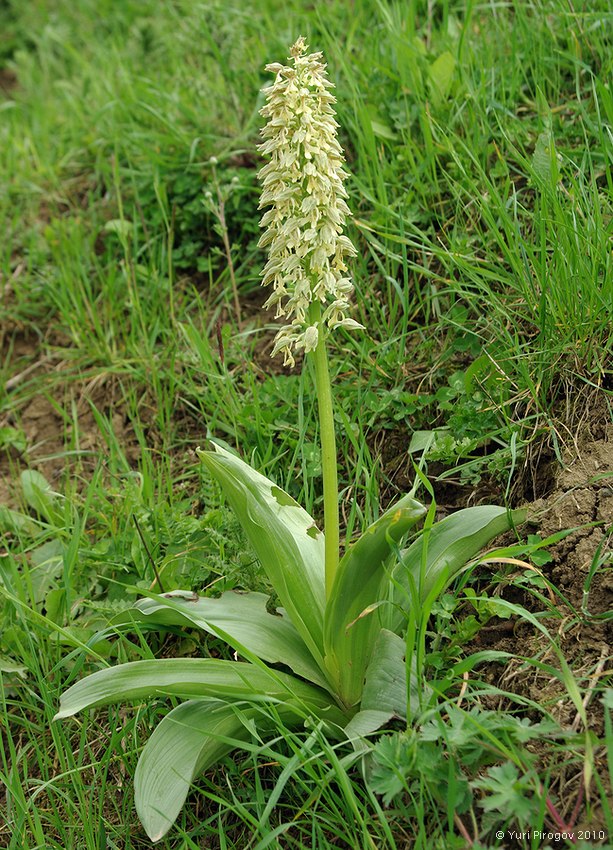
(351, 621)
(385, 685)
(286, 540)
(434, 558)
(191, 677)
(239, 618)
(191, 738)
(367, 721)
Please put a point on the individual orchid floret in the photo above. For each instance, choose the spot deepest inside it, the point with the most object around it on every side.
(303, 186)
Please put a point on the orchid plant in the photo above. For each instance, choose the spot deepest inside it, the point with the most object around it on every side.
(334, 652)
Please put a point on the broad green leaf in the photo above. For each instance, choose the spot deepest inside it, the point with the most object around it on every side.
(16, 522)
(441, 77)
(352, 623)
(47, 567)
(241, 619)
(192, 677)
(13, 437)
(384, 131)
(54, 604)
(7, 665)
(385, 686)
(545, 159)
(367, 721)
(422, 440)
(121, 226)
(190, 739)
(287, 542)
(38, 494)
(436, 556)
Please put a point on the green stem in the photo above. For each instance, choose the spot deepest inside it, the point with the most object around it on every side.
(328, 452)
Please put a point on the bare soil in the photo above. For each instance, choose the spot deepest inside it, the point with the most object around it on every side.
(8, 82)
(581, 622)
(57, 421)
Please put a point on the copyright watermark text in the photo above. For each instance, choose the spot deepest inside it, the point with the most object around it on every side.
(549, 835)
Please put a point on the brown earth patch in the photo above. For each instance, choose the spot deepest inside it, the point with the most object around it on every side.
(53, 408)
(580, 621)
(583, 500)
(8, 82)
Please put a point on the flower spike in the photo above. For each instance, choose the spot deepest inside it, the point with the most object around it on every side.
(303, 185)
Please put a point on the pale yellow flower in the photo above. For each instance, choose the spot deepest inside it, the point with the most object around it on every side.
(303, 186)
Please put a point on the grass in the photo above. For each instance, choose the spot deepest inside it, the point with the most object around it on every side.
(478, 137)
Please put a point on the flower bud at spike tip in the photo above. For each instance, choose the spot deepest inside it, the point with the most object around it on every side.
(303, 185)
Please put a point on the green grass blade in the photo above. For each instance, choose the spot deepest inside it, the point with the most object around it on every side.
(434, 558)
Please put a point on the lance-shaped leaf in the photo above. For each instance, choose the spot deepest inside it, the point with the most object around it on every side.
(385, 685)
(287, 542)
(239, 618)
(352, 622)
(434, 558)
(191, 738)
(365, 723)
(192, 677)
(385, 694)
